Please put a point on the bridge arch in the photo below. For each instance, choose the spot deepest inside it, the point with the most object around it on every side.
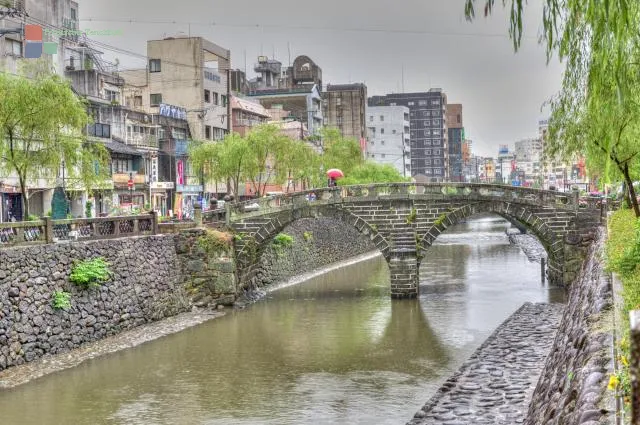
(552, 242)
(249, 249)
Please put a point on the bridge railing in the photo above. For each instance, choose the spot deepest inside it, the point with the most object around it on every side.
(466, 191)
(47, 230)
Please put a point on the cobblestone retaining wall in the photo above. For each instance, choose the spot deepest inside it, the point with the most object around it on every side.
(572, 386)
(316, 243)
(146, 286)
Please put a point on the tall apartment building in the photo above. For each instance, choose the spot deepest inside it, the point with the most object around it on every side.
(389, 142)
(455, 130)
(189, 73)
(427, 130)
(344, 107)
(53, 17)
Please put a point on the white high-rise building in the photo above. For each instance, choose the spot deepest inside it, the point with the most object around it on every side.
(389, 137)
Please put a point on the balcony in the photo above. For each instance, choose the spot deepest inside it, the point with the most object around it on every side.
(140, 140)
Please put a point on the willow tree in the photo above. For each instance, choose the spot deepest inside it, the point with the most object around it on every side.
(340, 152)
(41, 130)
(596, 112)
(267, 146)
(225, 160)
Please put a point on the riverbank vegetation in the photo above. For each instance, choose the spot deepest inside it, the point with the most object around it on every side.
(90, 273)
(623, 258)
(265, 157)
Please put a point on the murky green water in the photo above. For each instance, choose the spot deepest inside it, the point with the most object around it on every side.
(333, 350)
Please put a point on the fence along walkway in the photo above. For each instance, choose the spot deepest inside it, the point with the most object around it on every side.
(47, 230)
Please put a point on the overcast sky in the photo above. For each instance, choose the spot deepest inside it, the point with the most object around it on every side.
(370, 41)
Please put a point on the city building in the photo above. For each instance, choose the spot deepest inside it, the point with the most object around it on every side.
(455, 130)
(389, 141)
(529, 150)
(204, 95)
(247, 114)
(427, 130)
(473, 169)
(52, 17)
(239, 83)
(505, 166)
(344, 108)
(296, 89)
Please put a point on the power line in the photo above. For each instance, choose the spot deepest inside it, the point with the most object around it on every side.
(298, 27)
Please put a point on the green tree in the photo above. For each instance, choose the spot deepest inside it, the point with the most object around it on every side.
(298, 163)
(41, 130)
(267, 148)
(371, 172)
(340, 152)
(226, 160)
(596, 111)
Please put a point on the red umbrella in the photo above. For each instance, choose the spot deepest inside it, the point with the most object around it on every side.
(334, 173)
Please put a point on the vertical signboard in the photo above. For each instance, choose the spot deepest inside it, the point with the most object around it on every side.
(154, 169)
(180, 171)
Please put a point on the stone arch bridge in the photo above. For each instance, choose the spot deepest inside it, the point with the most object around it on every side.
(404, 219)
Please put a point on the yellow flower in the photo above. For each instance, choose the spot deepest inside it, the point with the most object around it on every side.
(624, 360)
(613, 382)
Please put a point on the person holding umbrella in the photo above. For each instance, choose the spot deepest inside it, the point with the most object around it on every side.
(334, 174)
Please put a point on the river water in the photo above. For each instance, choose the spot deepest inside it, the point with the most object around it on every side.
(334, 349)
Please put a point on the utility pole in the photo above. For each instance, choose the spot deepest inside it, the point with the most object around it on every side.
(404, 154)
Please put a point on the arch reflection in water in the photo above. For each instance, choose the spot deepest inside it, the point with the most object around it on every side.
(335, 349)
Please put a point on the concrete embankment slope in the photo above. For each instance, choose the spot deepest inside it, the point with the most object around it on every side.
(545, 365)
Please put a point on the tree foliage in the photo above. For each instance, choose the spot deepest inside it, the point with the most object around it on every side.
(340, 152)
(41, 130)
(265, 156)
(596, 112)
(371, 172)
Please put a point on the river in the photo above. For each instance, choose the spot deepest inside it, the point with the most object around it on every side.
(334, 349)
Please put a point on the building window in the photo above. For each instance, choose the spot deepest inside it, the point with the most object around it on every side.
(427, 122)
(137, 101)
(156, 99)
(371, 118)
(372, 143)
(427, 152)
(207, 132)
(412, 103)
(422, 103)
(392, 104)
(224, 100)
(74, 16)
(435, 102)
(382, 142)
(111, 95)
(207, 96)
(15, 47)
(154, 65)
(459, 119)
(381, 130)
(373, 155)
(383, 155)
(393, 131)
(436, 121)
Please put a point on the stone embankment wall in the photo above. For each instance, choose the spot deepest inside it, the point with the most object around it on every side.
(316, 243)
(572, 387)
(153, 277)
(146, 285)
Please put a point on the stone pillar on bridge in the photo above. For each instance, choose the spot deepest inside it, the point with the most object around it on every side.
(403, 269)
